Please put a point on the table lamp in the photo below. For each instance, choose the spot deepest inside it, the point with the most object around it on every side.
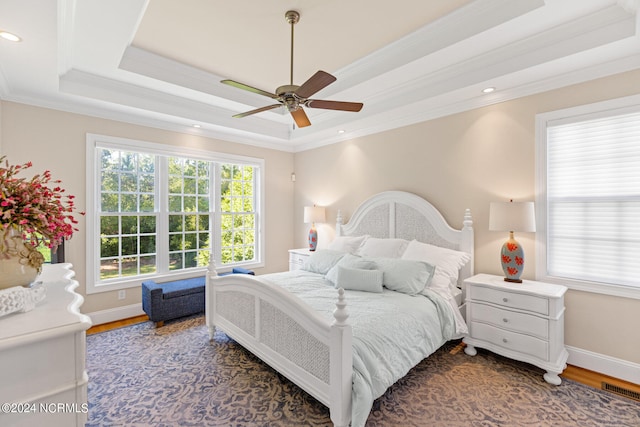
(313, 214)
(512, 216)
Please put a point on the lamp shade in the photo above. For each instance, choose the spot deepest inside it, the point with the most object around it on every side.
(314, 214)
(512, 216)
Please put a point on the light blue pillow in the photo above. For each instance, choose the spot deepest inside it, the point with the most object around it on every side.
(321, 261)
(357, 279)
(349, 261)
(406, 276)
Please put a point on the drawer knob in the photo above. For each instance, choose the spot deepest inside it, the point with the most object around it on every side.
(505, 299)
(504, 340)
(505, 320)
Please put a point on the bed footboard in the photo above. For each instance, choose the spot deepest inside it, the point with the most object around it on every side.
(288, 335)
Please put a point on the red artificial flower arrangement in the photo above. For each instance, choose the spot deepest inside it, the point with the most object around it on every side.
(37, 207)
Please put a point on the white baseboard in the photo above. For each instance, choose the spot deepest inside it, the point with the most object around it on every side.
(607, 365)
(114, 314)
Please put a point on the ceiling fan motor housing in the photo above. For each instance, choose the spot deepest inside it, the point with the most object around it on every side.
(289, 98)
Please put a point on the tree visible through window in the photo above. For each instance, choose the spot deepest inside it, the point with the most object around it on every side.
(127, 217)
(238, 216)
(189, 213)
(158, 213)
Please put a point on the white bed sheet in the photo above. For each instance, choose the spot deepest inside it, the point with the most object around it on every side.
(392, 332)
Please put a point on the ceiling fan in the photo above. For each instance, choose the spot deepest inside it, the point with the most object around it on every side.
(294, 97)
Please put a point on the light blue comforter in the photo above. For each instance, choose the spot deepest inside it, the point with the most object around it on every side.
(392, 332)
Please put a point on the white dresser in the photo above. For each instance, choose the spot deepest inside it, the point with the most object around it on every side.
(523, 321)
(297, 258)
(43, 379)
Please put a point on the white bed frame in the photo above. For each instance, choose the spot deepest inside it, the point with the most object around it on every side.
(285, 333)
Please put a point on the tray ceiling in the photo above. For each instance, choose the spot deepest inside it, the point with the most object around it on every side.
(159, 63)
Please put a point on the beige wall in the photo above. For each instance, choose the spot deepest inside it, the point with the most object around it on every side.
(56, 141)
(463, 161)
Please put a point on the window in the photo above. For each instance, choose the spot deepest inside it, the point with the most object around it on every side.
(189, 213)
(127, 213)
(162, 212)
(589, 197)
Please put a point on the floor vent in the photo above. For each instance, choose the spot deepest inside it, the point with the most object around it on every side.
(621, 391)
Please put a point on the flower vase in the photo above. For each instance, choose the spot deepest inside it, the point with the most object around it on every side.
(20, 262)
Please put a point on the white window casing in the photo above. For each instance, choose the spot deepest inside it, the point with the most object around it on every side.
(588, 197)
(97, 142)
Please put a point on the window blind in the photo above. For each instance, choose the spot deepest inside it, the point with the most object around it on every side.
(593, 200)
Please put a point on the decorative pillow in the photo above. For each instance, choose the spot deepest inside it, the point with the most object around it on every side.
(448, 262)
(383, 248)
(406, 276)
(349, 261)
(357, 279)
(322, 260)
(349, 244)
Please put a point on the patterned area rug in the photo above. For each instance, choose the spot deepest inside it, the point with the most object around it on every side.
(173, 376)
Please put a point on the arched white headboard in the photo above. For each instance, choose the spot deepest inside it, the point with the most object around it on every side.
(403, 215)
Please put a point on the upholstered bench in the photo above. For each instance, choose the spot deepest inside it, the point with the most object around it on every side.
(178, 298)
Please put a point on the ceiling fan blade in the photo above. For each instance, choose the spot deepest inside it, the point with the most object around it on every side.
(249, 88)
(319, 80)
(300, 117)
(257, 110)
(334, 105)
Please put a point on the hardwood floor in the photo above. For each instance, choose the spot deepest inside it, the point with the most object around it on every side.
(602, 382)
(117, 324)
(584, 376)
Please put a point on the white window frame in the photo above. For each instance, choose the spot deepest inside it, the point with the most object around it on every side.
(580, 113)
(95, 141)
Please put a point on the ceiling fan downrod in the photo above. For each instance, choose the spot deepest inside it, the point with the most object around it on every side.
(292, 18)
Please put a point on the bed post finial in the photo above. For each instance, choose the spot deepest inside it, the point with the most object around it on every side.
(212, 265)
(340, 313)
(467, 222)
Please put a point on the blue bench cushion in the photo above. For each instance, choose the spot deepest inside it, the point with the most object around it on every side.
(177, 298)
(179, 288)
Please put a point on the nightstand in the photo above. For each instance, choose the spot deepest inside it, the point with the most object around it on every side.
(297, 258)
(523, 321)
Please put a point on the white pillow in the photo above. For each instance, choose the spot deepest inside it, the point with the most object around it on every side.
(357, 279)
(403, 275)
(322, 260)
(349, 244)
(383, 248)
(349, 261)
(448, 262)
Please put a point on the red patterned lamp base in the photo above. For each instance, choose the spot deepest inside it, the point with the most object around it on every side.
(512, 260)
(313, 239)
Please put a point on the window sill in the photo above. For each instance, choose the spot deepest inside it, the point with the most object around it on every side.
(126, 283)
(594, 287)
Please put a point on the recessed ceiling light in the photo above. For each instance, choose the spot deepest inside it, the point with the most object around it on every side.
(196, 126)
(488, 89)
(9, 36)
(341, 131)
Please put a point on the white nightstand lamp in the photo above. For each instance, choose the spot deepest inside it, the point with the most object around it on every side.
(313, 214)
(512, 216)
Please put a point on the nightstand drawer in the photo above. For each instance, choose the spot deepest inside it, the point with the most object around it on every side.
(518, 322)
(511, 340)
(297, 258)
(510, 299)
